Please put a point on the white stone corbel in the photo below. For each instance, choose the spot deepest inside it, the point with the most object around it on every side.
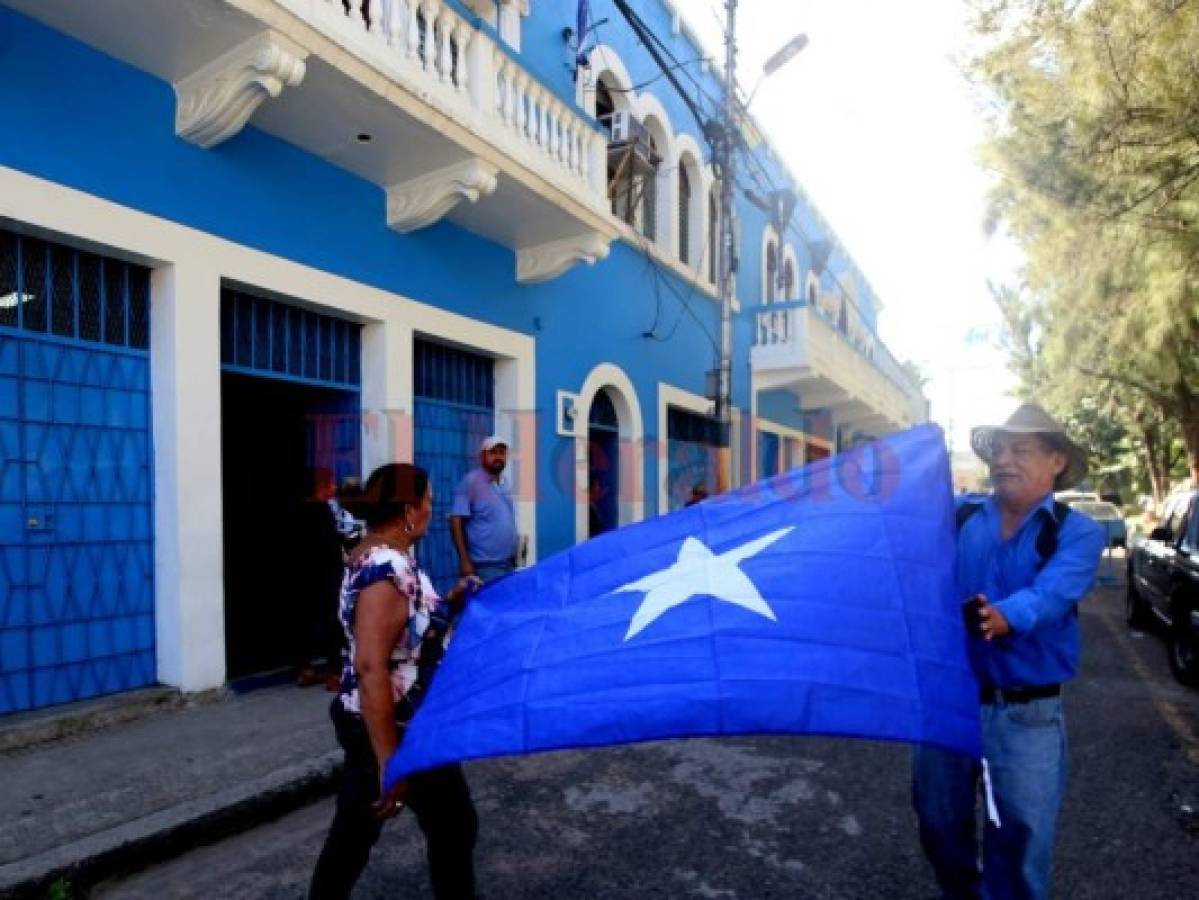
(422, 201)
(215, 102)
(549, 260)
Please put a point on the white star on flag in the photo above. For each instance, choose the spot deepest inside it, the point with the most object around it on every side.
(698, 571)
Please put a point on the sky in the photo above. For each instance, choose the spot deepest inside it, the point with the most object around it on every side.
(878, 124)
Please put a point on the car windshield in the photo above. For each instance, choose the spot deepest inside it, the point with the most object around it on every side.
(1100, 512)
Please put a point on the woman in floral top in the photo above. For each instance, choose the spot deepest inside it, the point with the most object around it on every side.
(395, 627)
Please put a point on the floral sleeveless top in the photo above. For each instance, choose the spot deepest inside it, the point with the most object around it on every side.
(413, 658)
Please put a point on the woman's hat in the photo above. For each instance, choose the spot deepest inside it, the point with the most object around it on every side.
(1030, 418)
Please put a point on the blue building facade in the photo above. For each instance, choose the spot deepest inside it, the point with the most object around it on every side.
(241, 238)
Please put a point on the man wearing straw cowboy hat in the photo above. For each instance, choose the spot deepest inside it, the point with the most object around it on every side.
(1023, 563)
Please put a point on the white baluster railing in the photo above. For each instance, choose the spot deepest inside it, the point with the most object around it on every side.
(427, 45)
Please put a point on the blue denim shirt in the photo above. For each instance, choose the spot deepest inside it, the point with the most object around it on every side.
(1039, 606)
(490, 517)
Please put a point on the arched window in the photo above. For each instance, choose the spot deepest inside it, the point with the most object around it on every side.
(649, 197)
(684, 216)
(812, 293)
(788, 280)
(772, 270)
(605, 106)
(713, 235)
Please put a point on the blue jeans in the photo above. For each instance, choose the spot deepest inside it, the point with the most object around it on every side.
(1025, 748)
(491, 571)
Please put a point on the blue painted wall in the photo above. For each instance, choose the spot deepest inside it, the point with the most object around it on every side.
(80, 118)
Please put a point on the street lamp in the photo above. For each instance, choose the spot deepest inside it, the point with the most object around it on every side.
(782, 56)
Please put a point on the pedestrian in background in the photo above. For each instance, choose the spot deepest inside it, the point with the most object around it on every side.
(483, 518)
(1024, 563)
(315, 578)
(396, 628)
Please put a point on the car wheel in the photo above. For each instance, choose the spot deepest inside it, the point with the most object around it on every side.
(1183, 645)
(1136, 611)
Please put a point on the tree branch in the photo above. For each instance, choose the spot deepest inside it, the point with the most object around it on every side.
(1157, 395)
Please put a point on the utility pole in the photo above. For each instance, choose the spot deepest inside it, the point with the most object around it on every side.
(728, 268)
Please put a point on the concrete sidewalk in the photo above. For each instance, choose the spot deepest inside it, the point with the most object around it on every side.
(115, 798)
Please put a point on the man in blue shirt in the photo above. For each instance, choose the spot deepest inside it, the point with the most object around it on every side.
(482, 518)
(1023, 564)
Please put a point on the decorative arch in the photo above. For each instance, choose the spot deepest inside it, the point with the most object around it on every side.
(619, 388)
(604, 61)
(653, 116)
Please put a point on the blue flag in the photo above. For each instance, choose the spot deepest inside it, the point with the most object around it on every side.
(583, 20)
(821, 601)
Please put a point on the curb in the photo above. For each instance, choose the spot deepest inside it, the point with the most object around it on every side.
(23, 731)
(170, 832)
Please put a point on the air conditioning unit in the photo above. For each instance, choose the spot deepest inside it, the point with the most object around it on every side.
(628, 133)
(626, 127)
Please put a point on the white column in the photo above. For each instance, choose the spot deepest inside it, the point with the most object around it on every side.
(445, 58)
(598, 150)
(189, 585)
(428, 58)
(522, 100)
(387, 404)
(412, 30)
(462, 36)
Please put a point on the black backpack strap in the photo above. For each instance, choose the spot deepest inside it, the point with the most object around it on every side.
(1047, 539)
(964, 512)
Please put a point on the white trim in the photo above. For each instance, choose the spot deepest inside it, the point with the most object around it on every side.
(668, 396)
(603, 60)
(185, 352)
(632, 445)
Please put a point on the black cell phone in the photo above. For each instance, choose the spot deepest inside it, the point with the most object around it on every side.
(972, 616)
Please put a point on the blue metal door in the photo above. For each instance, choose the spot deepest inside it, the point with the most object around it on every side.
(603, 466)
(455, 410)
(768, 454)
(76, 476)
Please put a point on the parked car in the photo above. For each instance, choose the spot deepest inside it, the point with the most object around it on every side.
(1107, 515)
(1072, 497)
(1163, 583)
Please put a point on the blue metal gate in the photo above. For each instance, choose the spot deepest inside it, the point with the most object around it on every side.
(455, 409)
(691, 445)
(76, 475)
(768, 454)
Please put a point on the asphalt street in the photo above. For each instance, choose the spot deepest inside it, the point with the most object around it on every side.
(772, 818)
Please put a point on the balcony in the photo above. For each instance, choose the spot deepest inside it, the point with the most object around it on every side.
(407, 94)
(827, 354)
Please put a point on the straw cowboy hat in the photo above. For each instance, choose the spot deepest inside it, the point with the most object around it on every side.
(1031, 419)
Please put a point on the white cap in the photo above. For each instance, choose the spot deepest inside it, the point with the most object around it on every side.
(494, 441)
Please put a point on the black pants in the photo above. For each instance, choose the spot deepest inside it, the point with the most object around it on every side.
(440, 799)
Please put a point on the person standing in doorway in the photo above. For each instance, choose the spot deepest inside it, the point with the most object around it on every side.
(483, 518)
(1024, 563)
(316, 572)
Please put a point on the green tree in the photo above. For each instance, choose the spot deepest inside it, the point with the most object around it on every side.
(1095, 138)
